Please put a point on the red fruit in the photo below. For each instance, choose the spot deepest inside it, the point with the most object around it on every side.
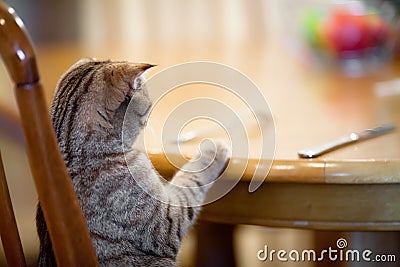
(347, 32)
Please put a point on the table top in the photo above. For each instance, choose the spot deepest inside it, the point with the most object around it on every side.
(308, 106)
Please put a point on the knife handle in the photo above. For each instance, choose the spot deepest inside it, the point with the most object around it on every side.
(327, 147)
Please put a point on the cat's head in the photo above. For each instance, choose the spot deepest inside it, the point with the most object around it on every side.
(93, 96)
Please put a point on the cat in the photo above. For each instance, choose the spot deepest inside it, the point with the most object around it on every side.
(127, 224)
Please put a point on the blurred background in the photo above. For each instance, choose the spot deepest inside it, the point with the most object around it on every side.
(277, 43)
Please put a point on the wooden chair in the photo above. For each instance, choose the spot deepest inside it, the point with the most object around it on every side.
(69, 235)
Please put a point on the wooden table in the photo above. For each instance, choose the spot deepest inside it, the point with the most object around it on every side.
(354, 188)
(309, 107)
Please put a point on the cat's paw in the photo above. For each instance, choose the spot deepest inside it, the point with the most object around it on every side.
(222, 151)
(218, 152)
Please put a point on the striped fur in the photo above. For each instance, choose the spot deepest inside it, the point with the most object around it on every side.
(129, 227)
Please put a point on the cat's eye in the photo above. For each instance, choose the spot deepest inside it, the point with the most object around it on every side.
(127, 98)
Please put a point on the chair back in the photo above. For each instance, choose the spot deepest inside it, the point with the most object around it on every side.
(70, 237)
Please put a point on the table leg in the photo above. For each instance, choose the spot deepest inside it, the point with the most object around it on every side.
(382, 243)
(324, 240)
(215, 245)
(379, 243)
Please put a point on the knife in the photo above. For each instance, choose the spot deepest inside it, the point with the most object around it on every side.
(350, 139)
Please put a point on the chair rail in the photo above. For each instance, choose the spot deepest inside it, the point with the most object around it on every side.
(70, 237)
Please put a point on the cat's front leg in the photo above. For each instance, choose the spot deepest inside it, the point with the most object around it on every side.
(196, 177)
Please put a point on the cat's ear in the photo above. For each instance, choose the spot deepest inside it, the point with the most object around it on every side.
(124, 78)
(124, 75)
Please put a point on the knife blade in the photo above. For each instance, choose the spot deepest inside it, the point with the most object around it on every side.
(346, 140)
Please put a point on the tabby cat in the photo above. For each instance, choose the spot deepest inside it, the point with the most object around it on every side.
(128, 225)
